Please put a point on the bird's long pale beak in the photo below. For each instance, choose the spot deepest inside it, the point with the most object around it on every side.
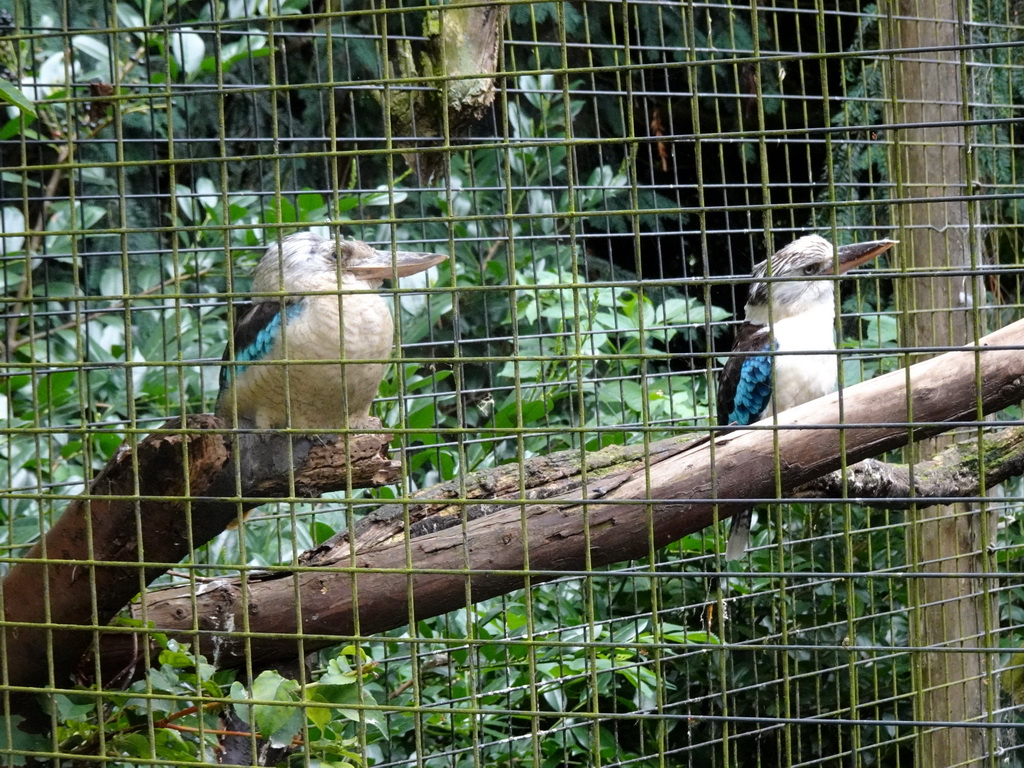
(852, 256)
(380, 265)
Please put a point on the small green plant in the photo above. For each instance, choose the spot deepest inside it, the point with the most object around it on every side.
(176, 713)
(325, 721)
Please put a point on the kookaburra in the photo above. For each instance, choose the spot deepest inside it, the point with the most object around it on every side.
(310, 349)
(790, 309)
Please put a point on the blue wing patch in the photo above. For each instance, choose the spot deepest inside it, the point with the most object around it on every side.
(255, 335)
(754, 389)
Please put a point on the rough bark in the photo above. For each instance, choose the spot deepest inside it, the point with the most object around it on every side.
(623, 512)
(461, 55)
(958, 472)
(178, 490)
(961, 471)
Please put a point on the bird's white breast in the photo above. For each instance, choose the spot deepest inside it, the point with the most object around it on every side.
(799, 378)
(327, 391)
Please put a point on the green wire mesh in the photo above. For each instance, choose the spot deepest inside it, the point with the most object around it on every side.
(602, 204)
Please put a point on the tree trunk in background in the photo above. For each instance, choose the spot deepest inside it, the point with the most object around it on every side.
(948, 614)
(463, 38)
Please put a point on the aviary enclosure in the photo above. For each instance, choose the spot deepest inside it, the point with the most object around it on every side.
(520, 560)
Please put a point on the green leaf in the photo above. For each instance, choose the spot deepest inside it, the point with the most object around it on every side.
(246, 49)
(91, 46)
(12, 94)
(322, 531)
(188, 50)
(58, 388)
(320, 716)
(347, 203)
(311, 206)
(132, 745)
(164, 679)
(384, 195)
(70, 710)
(532, 411)
(128, 16)
(279, 722)
(632, 395)
(281, 212)
(60, 222)
(413, 383)
(13, 221)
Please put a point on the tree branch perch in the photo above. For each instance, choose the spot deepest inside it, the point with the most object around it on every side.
(181, 488)
(388, 578)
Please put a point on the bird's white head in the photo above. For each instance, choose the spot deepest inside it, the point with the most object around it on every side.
(799, 276)
(305, 262)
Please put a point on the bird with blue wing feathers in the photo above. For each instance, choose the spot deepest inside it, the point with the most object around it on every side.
(790, 309)
(311, 348)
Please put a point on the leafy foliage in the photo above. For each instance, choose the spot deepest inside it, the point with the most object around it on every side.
(182, 709)
(118, 276)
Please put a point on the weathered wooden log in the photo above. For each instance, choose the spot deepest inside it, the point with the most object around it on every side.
(620, 513)
(144, 512)
(950, 475)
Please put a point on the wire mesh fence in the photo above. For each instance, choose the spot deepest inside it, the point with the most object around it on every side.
(523, 562)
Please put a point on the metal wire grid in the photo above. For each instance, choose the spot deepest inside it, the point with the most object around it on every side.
(618, 669)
